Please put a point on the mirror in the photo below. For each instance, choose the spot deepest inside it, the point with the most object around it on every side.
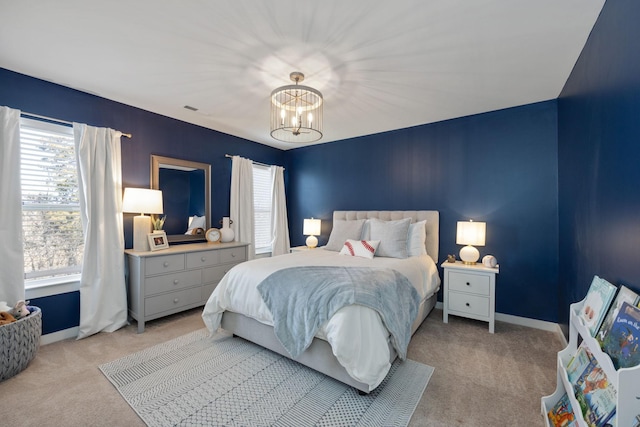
(186, 191)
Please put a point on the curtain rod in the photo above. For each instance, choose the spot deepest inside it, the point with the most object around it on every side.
(64, 122)
(253, 161)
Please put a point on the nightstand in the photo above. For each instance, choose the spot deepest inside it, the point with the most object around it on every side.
(470, 291)
(300, 249)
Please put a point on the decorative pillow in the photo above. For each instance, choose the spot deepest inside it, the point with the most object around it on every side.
(342, 231)
(195, 222)
(392, 235)
(416, 239)
(361, 248)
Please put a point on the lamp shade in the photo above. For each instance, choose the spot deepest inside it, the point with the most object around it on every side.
(471, 233)
(311, 227)
(142, 200)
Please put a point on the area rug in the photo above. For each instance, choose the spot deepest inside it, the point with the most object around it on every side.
(198, 380)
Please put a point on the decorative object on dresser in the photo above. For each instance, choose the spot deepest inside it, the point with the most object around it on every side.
(158, 240)
(226, 232)
(311, 228)
(600, 393)
(470, 291)
(213, 235)
(141, 200)
(471, 234)
(489, 261)
(177, 279)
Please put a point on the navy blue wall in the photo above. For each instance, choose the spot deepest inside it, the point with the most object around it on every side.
(499, 167)
(152, 134)
(599, 155)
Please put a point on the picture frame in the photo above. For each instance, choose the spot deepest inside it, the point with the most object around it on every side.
(158, 240)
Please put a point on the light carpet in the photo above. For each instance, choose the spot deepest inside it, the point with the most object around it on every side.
(198, 380)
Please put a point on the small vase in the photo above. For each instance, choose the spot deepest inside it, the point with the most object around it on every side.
(226, 233)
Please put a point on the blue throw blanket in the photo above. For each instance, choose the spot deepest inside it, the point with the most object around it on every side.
(301, 299)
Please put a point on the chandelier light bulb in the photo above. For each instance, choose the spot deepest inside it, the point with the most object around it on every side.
(310, 117)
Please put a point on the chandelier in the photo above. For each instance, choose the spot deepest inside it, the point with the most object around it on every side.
(296, 112)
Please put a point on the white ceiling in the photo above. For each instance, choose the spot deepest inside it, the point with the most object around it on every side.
(381, 65)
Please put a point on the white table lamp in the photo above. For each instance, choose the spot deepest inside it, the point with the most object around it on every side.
(311, 228)
(471, 234)
(142, 201)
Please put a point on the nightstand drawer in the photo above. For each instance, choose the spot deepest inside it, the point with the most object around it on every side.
(471, 304)
(170, 282)
(233, 255)
(469, 282)
(173, 300)
(164, 264)
(202, 259)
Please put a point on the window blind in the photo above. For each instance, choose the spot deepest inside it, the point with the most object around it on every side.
(262, 207)
(51, 223)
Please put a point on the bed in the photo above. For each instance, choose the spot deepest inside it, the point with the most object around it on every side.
(354, 346)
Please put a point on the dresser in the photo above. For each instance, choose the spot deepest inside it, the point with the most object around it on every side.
(177, 278)
(469, 291)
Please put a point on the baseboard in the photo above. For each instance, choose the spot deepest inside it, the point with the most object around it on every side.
(59, 335)
(525, 321)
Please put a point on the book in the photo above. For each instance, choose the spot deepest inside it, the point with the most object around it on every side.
(624, 295)
(595, 395)
(622, 342)
(596, 303)
(561, 415)
(578, 363)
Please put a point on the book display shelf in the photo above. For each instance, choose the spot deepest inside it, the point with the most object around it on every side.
(625, 381)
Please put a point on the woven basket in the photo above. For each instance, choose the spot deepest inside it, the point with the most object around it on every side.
(19, 343)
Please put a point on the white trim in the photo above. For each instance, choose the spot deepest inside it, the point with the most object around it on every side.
(49, 287)
(59, 335)
(525, 321)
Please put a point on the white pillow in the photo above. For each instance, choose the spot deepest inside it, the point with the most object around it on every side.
(392, 235)
(342, 231)
(195, 222)
(416, 239)
(361, 248)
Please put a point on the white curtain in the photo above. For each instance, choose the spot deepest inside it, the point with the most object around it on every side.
(103, 295)
(11, 254)
(242, 202)
(279, 223)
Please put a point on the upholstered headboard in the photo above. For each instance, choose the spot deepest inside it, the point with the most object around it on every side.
(432, 224)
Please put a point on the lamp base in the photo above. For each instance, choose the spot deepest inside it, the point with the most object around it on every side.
(469, 255)
(141, 227)
(312, 242)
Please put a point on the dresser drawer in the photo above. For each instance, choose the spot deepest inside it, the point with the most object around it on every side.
(471, 304)
(164, 264)
(215, 274)
(172, 301)
(469, 282)
(233, 255)
(172, 281)
(202, 259)
(207, 290)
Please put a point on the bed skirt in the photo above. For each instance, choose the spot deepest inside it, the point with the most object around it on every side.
(318, 355)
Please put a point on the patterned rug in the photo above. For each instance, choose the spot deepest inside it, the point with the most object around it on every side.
(197, 380)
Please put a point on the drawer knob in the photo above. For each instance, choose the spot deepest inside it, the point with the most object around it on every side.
(175, 300)
(203, 259)
(176, 281)
(233, 255)
(165, 264)
(468, 284)
(468, 305)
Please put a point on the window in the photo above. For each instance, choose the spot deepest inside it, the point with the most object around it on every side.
(51, 223)
(262, 185)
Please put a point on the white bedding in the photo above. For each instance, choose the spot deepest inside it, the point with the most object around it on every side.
(357, 336)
